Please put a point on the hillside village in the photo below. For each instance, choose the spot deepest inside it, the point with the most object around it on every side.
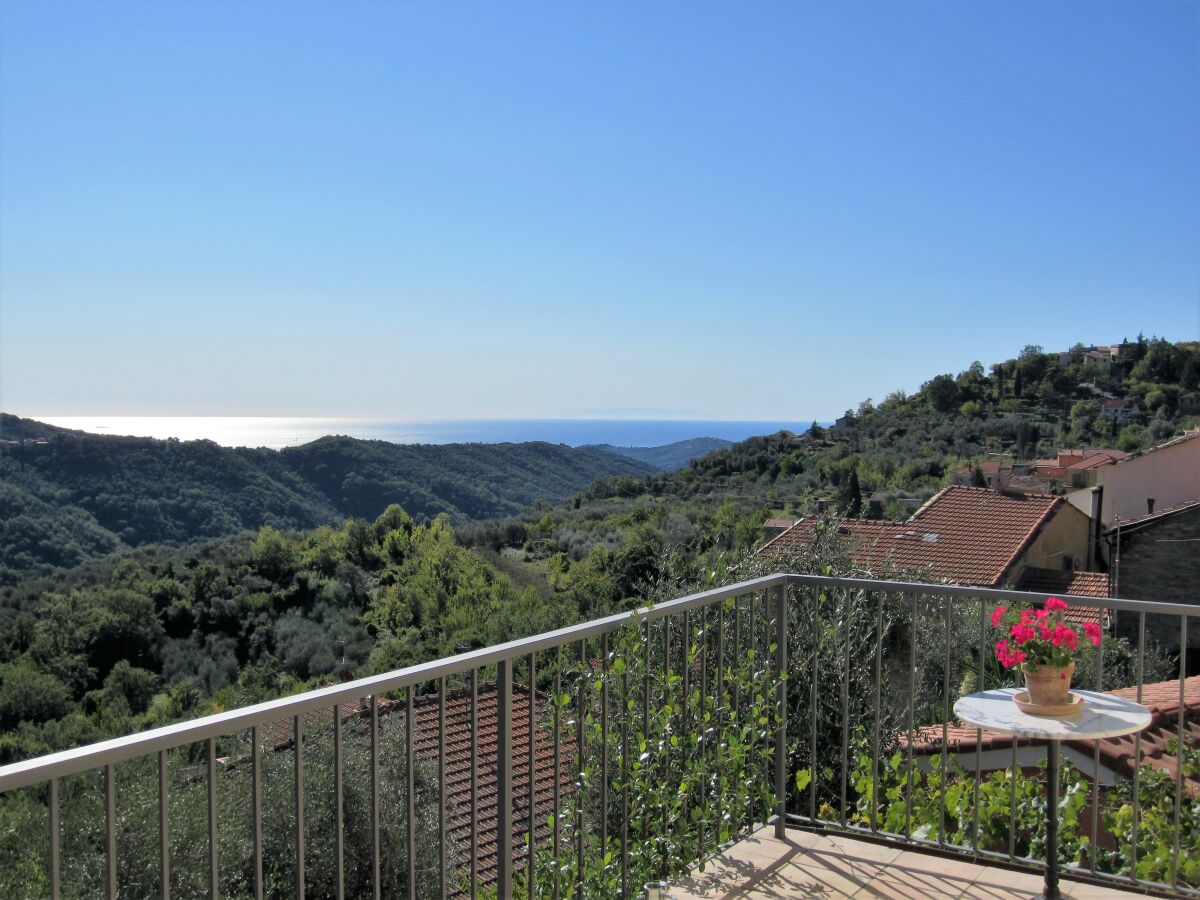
(1092, 521)
(1070, 474)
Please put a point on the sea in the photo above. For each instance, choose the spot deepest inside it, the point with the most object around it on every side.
(278, 431)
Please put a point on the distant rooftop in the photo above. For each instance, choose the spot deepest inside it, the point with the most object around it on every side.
(965, 535)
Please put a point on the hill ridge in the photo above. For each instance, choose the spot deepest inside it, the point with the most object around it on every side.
(67, 496)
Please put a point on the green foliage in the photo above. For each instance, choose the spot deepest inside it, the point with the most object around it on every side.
(23, 825)
(172, 634)
(669, 457)
(907, 446)
(28, 694)
(932, 801)
(686, 747)
(68, 497)
(1151, 853)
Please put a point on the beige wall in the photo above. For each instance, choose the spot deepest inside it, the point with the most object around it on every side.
(1171, 475)
(1066, 534)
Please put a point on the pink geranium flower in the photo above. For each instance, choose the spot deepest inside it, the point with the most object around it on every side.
(1041, 637)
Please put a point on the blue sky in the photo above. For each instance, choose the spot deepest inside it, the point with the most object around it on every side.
(489, 210)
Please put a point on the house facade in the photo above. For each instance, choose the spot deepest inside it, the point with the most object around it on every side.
(995, 474)
(1162, 477)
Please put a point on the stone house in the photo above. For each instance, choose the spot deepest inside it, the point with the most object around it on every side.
(1157, 557)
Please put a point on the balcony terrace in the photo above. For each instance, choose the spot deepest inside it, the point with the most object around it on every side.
(591, 760)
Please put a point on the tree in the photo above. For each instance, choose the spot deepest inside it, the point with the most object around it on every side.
(851, 499)
(272, 553)
(1024, 433)
(133, 687)
(943, 393)
(977, 479)
(28, 694)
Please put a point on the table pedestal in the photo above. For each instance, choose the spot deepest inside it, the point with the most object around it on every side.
(1050, 891)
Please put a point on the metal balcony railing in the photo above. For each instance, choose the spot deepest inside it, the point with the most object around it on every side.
(579, 761)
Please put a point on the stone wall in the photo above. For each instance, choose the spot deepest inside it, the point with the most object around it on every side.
(1160, 560)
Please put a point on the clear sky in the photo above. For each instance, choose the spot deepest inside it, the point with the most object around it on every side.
(420, 210)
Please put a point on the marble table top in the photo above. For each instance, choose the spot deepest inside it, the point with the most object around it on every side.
(1103, 715)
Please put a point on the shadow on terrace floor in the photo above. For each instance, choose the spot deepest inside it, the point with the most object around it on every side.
(827, 866)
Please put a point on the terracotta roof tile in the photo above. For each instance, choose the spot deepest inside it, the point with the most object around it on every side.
(458, 763)
(1059, 582)
(965, 535)
(1098, 459)
(1063, 581)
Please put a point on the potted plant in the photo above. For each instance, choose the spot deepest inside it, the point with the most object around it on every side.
(1044, 645)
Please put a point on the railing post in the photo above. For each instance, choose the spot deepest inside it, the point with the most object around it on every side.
(781, 638)
(504, 778)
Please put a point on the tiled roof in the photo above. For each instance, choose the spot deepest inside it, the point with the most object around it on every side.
(779, 523)
(1057, 582)
(1028, 484)
(1116, 753)
(1101, 458)
(965, 535)
(458, 763)
(1153, 517)
(987, 467)
(1069, 456)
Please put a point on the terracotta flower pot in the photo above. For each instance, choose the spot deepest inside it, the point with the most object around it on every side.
(1048, 685)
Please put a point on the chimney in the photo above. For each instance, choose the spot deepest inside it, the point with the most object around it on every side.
(1149, 506)
(1094, 527)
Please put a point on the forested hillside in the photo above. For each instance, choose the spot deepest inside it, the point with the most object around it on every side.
(165, 632)
(905, 448)
(168, 633)
(67, 497)
(669, 457)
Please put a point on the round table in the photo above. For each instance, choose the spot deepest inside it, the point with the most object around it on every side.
(1103, 715)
